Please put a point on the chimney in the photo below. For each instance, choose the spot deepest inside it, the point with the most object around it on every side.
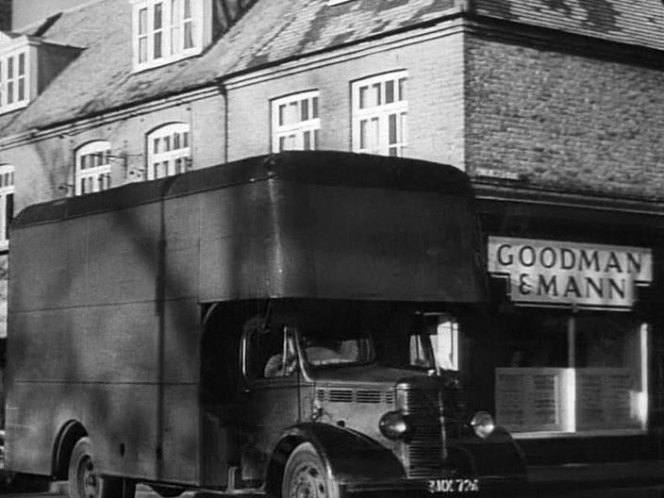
(5, 15)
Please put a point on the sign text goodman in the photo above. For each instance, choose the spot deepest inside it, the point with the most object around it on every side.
(554, 272)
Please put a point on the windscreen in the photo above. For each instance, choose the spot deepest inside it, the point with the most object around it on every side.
(398, 335)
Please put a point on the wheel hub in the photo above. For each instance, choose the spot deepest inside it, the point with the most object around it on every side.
(88, 479)
(309, 483)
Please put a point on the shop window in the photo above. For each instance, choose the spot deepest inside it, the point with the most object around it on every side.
(295, 122)
(165, 31)
(380, 114)
(93, 168)
(6, 202)
(169, 151)
(573, 373)
(572, 357)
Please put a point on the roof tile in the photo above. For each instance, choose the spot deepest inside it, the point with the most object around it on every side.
(626, 21)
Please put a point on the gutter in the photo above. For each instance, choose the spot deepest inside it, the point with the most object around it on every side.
(539, 195)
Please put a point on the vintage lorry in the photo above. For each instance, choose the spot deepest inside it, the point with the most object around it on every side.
(269, 326)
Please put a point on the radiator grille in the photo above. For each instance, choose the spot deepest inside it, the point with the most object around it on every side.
(425, 447)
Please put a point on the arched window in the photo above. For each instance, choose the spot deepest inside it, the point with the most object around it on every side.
(380, 112)
(93, 168)
(6, 202)
(169, 151)
(295, 122)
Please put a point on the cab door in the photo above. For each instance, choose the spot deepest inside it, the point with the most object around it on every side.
(271, 398)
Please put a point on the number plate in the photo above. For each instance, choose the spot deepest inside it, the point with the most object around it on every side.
(454, 486)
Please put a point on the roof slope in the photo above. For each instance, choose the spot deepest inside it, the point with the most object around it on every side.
(637, 22)
(101, 78)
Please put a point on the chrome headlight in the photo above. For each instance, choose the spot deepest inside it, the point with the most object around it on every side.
(393, 425)
(483, 424)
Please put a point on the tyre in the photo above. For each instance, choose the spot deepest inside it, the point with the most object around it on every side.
(306, 475)
(84, 482)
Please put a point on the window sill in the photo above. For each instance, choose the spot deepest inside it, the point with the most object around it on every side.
(6, 109)
(165, 61)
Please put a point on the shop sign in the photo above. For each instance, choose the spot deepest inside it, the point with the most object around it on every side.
(570, 273)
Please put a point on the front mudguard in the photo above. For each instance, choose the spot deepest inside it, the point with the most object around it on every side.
(357, 462)
(349, 457)
(496, 457)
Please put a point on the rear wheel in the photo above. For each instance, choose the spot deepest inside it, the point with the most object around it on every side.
(85, 482)
(306, 476)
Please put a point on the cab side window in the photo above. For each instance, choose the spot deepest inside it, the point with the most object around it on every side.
(269, 353)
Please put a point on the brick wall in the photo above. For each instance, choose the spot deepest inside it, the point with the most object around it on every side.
(565, 120)
(434, 94)
(45, 166)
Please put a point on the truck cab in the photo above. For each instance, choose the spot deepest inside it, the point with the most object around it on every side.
(368, 385)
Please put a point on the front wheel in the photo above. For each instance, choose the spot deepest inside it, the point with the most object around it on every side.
(85, 482)
(306, 476)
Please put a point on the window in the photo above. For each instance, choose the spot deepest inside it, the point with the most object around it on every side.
(577, 372)
(380, 112)
(169, 151)
(93, 168)
(446, 343)
(6, 202)
(295, 122)
(166, 31)
(13, 80)
(270, 350)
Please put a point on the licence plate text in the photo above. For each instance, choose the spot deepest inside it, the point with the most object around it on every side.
(454, 486)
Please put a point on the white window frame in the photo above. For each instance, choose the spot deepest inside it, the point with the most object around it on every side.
(178, 17)
(6, 202)
(14, 79)
(169, 150)
(93, 168)
(380, 114)
(296, 121)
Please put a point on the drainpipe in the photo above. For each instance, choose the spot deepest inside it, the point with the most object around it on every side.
(223, 91)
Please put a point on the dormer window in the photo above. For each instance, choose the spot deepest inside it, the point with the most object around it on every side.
(14, 73)
(27, 65)
(165, 31)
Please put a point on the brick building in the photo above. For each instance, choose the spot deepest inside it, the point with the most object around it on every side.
(552, 107)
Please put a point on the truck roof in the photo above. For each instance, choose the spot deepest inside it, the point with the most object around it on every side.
(330, 168)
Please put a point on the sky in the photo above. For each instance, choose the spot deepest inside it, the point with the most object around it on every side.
(29, 11)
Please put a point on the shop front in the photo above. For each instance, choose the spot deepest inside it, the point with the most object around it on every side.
(570, 354)
(578, 357)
